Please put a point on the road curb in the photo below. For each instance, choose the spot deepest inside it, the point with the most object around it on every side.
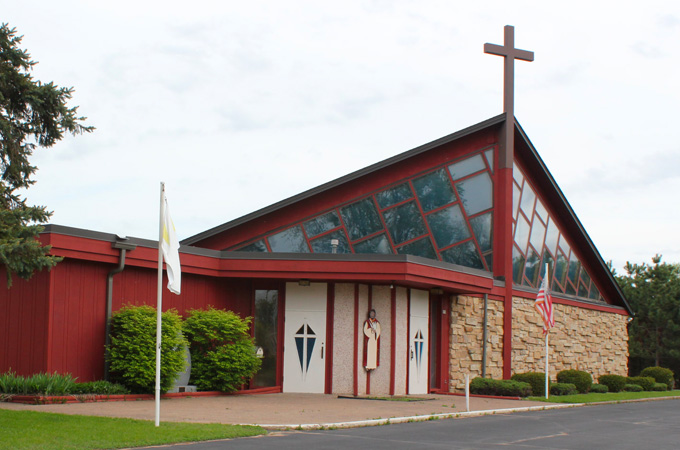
(405, 419)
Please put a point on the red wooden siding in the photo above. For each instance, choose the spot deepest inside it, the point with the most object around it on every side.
(24, 324)
(78, 313)
(77, 319)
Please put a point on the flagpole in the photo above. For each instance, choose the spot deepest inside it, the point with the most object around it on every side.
(547, 378)
(159, 306)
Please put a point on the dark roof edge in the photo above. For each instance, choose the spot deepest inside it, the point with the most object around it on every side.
(111, 237)
(574, 217)
(225, 254)
(344, 179)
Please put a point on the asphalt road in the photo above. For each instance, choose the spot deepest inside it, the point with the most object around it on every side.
(643, 425)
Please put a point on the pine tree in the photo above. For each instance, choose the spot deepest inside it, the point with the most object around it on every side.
(653, 292)
(32, 114)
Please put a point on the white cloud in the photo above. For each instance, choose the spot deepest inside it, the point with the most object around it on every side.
(260, 101)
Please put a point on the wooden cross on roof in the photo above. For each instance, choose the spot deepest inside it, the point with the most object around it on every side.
(510, 53)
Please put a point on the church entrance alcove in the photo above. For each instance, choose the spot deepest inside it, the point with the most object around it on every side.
(304, 366)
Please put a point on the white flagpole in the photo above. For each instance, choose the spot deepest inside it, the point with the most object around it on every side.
(547, 287)
(159, 306)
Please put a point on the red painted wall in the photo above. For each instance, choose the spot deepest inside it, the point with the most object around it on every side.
(23, 323)
(67, 335)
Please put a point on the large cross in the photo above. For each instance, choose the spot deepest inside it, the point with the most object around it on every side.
(510, 53)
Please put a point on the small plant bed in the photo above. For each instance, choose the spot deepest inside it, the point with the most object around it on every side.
(29, 430)
(606, 397)
(39, 399)
(388, 399)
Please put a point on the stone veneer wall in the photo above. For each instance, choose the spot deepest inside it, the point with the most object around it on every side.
(582, 339)
(465, 353)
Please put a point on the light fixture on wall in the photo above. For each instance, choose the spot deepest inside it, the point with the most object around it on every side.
(304, 283)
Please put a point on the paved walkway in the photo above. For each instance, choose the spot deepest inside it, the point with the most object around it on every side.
(287, 410)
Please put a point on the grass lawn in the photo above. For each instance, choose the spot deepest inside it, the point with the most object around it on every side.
(608, 397)
(47, 431)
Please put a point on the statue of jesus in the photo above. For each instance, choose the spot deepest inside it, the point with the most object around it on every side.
(371, 347)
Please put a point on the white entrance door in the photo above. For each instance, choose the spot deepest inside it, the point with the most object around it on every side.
(418, 342)
(304, 364)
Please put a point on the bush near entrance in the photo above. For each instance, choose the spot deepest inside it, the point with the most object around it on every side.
(535, 379)
(132, 353)
(647, 383)
(615, 383)
(563, 389)
(582, 380)
(506, 388)
(599, 389)
(660, 374)
(222, 350)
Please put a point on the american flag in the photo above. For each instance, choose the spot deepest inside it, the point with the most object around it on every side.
(544, 306)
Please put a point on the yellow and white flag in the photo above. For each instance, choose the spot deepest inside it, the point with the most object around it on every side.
(170, 248)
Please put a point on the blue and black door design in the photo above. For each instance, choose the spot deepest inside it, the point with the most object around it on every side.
(305, 339)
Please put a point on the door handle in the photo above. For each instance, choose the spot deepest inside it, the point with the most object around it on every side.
(322, 348)
(411, 352)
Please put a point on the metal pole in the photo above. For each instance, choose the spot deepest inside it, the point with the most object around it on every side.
(547, 376)
(159, 307)
(467, 392)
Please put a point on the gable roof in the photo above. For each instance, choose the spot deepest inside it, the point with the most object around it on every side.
(525, 152)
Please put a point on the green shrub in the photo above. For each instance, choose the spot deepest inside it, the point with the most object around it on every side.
(132, 353)
(599, 389)
(222, 350)
(582, 380)
(660, 374)
(535, 379)
(632, 387)
(646, 382)
(505, 388)
(615, 383)
(659, 387)
(563, 389)
(99, 388)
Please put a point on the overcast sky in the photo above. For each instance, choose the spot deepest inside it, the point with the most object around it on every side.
(237, 105)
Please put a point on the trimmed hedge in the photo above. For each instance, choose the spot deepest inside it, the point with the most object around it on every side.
(505, 388)
(132, 353)
(646, 382)
(99, 388)
(563, 389)
(582, 380)
(659, 387)
(535, 379)
(222, 350)
(660, 374)
(599, 389)
(632, 388)
(615, 383)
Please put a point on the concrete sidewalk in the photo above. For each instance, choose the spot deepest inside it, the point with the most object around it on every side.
(280, 411)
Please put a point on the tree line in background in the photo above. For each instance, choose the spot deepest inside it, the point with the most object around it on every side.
(653, 291)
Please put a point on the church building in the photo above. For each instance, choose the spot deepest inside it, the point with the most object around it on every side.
(417, 238)
(398, 279)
